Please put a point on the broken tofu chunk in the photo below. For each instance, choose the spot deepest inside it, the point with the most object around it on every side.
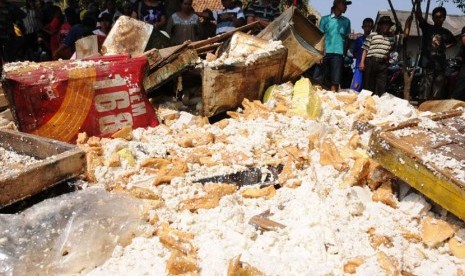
(436, 231)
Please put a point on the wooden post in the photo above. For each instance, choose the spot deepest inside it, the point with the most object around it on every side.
(427, 10)
(408, 76)
(396, 19)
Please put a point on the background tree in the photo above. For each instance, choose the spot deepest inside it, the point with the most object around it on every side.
(460, 3)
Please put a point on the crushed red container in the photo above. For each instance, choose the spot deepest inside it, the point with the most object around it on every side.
(60, 99)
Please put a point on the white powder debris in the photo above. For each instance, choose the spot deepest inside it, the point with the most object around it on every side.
(246, 55)
(12, 162)
(392, 109)
(427, 123)
(406, 132)
(142, 257)
(325, 225)
(443, 162)
(414, 205)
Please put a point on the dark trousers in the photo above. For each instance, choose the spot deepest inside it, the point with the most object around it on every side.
(333, 64)
(375, 75)
(459, 91)
(432, 86)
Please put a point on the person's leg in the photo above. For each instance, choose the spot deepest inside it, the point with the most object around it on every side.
(369, 75)
(381, 78)
(459, 91)
(438, 86)
(326, 70)
(357, 80)
(426, 84)
(336, 71)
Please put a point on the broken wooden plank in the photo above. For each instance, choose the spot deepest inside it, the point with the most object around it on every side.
(170, 70)
(58, 161)
(430, 160)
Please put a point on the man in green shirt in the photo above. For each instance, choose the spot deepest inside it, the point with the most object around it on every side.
(336, 28)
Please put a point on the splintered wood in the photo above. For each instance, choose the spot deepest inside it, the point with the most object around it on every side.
(428, 153)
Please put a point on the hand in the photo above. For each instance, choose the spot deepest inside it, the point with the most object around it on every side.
(361, 66)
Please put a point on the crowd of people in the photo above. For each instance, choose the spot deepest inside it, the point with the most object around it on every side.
(42, 31)
(372, 52)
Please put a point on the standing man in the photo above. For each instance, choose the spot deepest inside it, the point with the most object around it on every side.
(336, 28)
(229, 18)
(263, 11)
(150, 11)
(10, 43)
(459, 92)
(357, 81)
(111, 10)
(375, 56)
(436, 39)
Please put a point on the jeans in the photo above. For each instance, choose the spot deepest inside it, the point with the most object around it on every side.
(375, 75)
(432, 85)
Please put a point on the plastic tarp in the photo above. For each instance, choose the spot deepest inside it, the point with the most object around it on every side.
(69, 234)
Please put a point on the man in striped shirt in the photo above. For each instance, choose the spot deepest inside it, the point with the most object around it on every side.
(32, 24)
(375, 56)
(262, 11)
(228, 18)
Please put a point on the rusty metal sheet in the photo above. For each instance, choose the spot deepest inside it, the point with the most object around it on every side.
(304, 41)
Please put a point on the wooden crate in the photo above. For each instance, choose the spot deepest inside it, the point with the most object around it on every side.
(58, 161)
(225, 86)
(429, 157)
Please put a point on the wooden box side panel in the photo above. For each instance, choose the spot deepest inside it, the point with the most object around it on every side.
(32, 145)
(439, 189)
(41, 176)
(225, 88)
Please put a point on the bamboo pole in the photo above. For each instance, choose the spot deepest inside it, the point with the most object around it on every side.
(427, 10)
(396, 19)
(408, 75)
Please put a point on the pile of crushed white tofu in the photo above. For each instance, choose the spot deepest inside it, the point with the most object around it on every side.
(336, 210)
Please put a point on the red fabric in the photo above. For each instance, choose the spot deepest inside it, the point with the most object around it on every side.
(54, 28)
(64, 30)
